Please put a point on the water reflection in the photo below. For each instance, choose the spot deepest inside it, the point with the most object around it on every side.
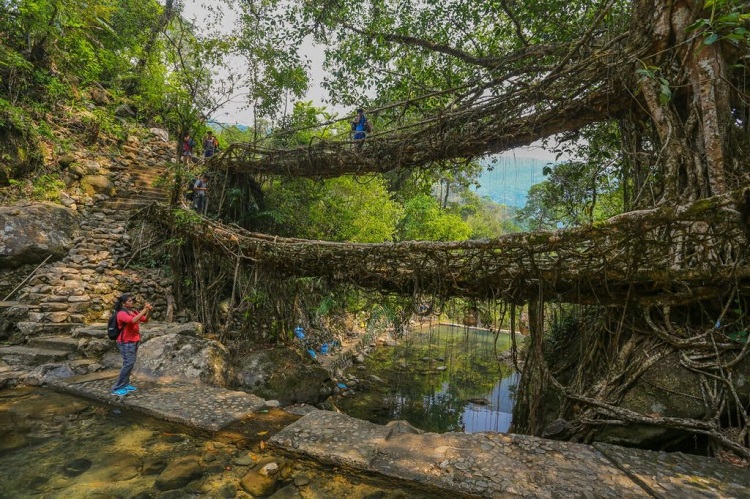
(441, 379)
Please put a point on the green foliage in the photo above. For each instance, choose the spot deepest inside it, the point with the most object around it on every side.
(424, 220)
(51, 47)
(326, 306)
(727, 22)
(303, 126)
(373, 47)
(485, 218)
(739, 336)
(582, 190)
(20, 153)
(15, 74)
(185, 218)
(342, 209)
(276, 71)
(47, 187)
(73, 41)
(653, 73)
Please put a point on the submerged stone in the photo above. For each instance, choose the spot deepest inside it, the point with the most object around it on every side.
(76, 467)
(179, 473)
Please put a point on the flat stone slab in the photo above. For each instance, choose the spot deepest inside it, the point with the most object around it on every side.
(195, 405)
(674, 474)
(24, 355)
(494, 464)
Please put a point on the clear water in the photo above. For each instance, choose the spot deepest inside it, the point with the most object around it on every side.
(58, 446)
(444, 378)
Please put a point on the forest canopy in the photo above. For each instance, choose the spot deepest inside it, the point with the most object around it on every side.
(645, 100)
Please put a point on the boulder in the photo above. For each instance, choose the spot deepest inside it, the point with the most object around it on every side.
(31, 233)
(261, 480)
(66, 161)
(283, 374)
(10, 316)
(97, 184)
(667, 389)
(125, 111)
(184, 355)
(99, 96)
(160, 132)
(48, 373)
(179, 473)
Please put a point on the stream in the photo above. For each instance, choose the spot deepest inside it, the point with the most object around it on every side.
(55, 445)
(439, 378)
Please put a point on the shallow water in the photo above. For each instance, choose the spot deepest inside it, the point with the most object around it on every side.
(55, 445)
(444, 378)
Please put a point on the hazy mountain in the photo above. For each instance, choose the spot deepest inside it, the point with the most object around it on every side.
(510, 178)
(218, 126)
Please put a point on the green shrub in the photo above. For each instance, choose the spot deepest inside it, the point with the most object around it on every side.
(47, 187)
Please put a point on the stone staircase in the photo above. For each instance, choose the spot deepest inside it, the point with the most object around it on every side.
(78, 291)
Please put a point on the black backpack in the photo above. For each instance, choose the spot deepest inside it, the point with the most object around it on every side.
(113, 329)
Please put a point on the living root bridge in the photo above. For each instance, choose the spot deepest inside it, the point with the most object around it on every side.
(448, 136)
(666, 255)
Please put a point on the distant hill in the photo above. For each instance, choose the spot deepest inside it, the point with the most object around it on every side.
(217, 126)
(510, 179)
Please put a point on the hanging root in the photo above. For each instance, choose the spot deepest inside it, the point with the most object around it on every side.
(594, 372)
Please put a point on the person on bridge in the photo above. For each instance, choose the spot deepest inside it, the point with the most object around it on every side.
(210, 144)
(199, 194)
(188, 143)
(361, 127)
(128, 322)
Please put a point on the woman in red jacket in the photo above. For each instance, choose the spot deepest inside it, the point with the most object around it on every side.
(128, 322)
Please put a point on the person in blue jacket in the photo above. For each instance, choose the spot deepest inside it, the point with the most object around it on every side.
(360, 127)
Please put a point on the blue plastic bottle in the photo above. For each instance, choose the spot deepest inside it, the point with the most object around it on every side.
(299, 332)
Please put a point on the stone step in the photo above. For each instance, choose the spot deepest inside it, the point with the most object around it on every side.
(123, 204)
(14, 311)
(11, 376)
(94, 330)
(28, 356)
(37, 328)
(59, 343)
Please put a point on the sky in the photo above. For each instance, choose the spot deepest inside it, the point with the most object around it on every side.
(233, 113)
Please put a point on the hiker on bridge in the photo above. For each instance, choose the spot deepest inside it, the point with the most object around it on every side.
(188, 143)
(210, 145)
(128, 322)
(199, 194)
(361, 127)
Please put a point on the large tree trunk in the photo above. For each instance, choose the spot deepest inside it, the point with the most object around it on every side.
(686, 95)
(528, 411)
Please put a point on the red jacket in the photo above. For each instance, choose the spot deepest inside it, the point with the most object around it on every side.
(130, 330)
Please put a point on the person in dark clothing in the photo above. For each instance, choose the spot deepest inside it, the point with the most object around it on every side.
(210, 145)
(128, 322)
(199, 194)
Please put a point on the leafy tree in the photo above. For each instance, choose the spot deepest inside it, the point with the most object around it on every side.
(424, 220)
(540, 211)
(277, 74)
(303, 126)
(586, 188)
(343, 209)
(486, 219)
(80, 42)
